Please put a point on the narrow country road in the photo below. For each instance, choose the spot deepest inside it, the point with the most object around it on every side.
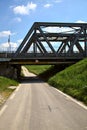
(37, 106)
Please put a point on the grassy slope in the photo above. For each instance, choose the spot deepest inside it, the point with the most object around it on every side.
(72, 80)
(37, 69)
(4, 84)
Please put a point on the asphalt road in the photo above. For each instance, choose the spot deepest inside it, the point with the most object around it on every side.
(37, 106)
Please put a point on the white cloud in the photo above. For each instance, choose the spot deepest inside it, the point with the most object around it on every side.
(21, 10)
(31, 6)
(4, 45)
(5, 33)
(52, 2)
(80, 21)
(24, 10)
(47, 5)
(62, 29)
(19, 41)
(59, 29)
(17, 19)
(8, 47)
(12, 46)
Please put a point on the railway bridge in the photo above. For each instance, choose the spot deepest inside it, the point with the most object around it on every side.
(50, 43)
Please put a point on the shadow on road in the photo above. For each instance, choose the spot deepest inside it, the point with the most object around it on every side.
(31, 79)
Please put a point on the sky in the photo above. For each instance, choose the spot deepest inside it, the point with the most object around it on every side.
(17, 17)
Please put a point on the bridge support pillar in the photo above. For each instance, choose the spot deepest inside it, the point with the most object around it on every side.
(18, 71)
(10, 71)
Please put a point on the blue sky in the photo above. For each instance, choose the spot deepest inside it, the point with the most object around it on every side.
(17, 16)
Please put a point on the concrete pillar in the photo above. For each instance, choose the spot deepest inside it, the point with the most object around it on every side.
(10, 71)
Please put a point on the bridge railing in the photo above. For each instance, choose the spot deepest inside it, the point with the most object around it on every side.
(6, 54)
(40, 55)
(49, 56)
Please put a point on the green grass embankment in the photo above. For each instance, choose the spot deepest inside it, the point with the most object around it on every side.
(37, 69)
(72, 80)
(5, 91)
(45, 71)
(6, 82)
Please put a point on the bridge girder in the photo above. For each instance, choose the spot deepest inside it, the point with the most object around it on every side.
(54, 39)
(50, 43)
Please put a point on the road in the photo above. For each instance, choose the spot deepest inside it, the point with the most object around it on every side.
(37, 106)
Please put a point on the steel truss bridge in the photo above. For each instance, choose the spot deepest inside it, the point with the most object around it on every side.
(51, 43)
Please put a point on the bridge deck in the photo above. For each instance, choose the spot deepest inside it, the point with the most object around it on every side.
(40, 59)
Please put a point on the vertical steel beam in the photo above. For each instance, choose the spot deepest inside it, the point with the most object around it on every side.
(34, 48)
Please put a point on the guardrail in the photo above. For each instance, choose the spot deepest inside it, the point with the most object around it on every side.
(6, 54)
(43, 56)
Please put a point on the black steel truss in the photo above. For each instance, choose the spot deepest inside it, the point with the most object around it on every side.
(55, 40)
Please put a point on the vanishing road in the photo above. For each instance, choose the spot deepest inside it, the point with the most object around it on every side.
(37, 106)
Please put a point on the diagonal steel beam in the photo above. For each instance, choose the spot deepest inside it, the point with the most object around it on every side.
(63, 47)
(60, 47)
(75, 40)
(24, 41)
(79, 47)
(41, 45)
(27, 46)
(49, 44)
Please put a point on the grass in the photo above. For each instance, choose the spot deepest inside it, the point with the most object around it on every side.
(5, 91)
(45, 71)
(72, 80)
(37, 69)
(6, 82)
